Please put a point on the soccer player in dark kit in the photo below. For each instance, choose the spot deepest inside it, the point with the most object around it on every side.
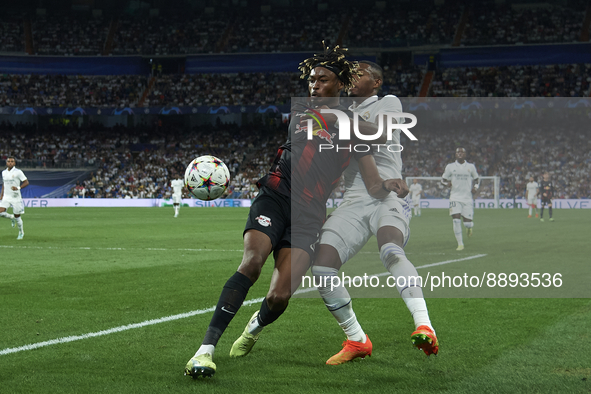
(546, 194)
(286, 216)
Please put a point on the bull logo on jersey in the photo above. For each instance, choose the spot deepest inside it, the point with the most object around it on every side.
(317, 131)
(263, 220)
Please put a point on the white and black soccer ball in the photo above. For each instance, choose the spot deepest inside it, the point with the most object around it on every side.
(207, 178)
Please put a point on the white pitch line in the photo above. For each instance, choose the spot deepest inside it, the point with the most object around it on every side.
(157, 249)
(177, 317)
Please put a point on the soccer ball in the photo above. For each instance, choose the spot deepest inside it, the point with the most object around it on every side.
(207, 178)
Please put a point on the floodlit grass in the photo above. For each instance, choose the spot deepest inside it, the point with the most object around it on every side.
(83, 270)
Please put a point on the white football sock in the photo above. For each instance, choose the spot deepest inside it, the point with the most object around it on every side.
(530, 209)
(468, 224)
(7, 215)
(457, 225)
(254, 327)
(205, 349)
(338, 301)
(19, 223)
(398, 265)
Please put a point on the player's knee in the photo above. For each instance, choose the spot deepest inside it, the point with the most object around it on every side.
(251, 266)
(391, 254)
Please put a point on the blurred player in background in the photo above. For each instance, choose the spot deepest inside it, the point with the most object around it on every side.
(357, 219)
(13, 180)
(531, 194)
(177, 194)
(287, 191)
(546, 192)
(416, 191)
(461, 205)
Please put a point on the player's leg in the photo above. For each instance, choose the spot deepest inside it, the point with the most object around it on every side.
(419, 207)
(257, 246)
(468, 218)
(542, 205)
(536, 209)
(18, 208)
(550, 210)
(264, 228)
(392, 234)
(4, 205)
(338, 301)
(531, 207)
(455, 211)
(290, 265)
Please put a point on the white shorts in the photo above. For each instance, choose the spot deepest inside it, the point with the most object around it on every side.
(463, 208)
(18, 208)
(416, 202)
(353, 223)
(177, 198)
(532, 201)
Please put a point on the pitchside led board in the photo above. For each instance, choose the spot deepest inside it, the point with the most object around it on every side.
(533, 135)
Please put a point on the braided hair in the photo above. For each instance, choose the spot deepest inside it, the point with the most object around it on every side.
(334, 60)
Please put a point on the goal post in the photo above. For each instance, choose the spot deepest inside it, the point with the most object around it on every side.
(432, 188)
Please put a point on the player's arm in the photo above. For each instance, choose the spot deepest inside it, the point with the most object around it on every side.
(23, 185)
(476, 185)
(368, 128)
(2, 192)
(375, 185)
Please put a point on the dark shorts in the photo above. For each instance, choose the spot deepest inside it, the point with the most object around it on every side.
(271, 213)
(546, 201)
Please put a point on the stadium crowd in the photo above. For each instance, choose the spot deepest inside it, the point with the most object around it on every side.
(558, 80)
(70, 90)
(140, 162)
(291, 29)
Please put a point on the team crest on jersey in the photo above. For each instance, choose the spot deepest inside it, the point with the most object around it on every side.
(263, 220)
(325, 135)
(365, 116)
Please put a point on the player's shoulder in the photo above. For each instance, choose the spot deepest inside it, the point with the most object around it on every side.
(390, 102)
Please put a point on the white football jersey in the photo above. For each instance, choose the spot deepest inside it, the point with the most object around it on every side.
(415, 190)
(461, 176)
(389, 163)
(532, 189)
(11, 178)
(177, 186)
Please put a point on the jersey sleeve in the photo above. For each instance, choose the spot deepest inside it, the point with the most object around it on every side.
(446, 173)
(474, 172)
(392, 103)
(21, 176)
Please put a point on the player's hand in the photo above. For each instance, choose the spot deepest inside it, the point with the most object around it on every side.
(544, 194)
(14, 188)
(397, 186)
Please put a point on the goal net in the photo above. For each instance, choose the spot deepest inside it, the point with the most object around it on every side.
(433, 189)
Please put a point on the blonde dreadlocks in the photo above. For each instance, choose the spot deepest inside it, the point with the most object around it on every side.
(334, 60)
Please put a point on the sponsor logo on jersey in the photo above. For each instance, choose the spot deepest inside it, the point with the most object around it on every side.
(263, 220)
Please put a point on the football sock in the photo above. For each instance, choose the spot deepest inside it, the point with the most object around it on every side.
(468, 224)
(254, 327)
(19, 223)
(338, 301)
(231, 299)
(550, 211)
(419, 209)
(266, 315)
(205, 349)
(530, 210)
(542, 212)
(457, 226)
(398, 265)
(6, 215)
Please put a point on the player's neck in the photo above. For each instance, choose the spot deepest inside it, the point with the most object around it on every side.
(461, 161)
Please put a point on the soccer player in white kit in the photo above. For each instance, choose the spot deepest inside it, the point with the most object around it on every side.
(416, 190)
(177, 195)
(359, 217)
(531, 194)
(461, 173)
(13, 180)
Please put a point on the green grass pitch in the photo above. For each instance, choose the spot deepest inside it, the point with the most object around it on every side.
(82, 270)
